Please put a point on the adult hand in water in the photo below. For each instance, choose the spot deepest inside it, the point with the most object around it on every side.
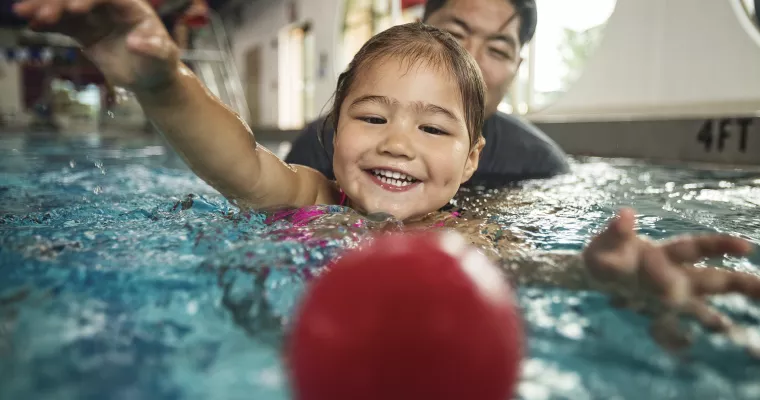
(124, 38)
(640, 270)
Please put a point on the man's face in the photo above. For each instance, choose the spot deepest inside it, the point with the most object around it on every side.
(489, 30)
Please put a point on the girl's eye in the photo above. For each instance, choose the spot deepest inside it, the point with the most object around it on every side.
(432, 131)
(373, 120)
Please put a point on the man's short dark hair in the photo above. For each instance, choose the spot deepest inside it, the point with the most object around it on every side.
(526, 9)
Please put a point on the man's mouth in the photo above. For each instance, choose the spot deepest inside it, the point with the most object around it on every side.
(392, 180)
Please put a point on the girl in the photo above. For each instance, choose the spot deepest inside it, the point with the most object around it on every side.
(408, 113)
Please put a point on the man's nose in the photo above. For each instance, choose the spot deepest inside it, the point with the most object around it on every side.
(474, 45)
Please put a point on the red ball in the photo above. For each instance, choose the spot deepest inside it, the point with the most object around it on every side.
(410, 316)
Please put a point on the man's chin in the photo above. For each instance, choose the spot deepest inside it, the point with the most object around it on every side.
(491, 110)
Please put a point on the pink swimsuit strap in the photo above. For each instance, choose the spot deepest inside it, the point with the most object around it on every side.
(343, 198)
(441, 224)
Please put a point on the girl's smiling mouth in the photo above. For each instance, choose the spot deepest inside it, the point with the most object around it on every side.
(392, 180)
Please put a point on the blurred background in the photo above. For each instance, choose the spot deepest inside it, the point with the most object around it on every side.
(658, 70)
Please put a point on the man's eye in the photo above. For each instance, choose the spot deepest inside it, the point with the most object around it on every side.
(501, 54)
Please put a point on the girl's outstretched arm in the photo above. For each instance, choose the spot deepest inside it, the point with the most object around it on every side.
(222, 150)
(130, 45)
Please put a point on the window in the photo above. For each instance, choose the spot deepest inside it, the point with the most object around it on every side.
(297, 76)
(567, 35)
(365, 18)
(359, 26)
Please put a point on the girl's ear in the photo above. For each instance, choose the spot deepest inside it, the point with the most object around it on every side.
(471, 165)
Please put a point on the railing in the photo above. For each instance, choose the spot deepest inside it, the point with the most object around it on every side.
(217, 68)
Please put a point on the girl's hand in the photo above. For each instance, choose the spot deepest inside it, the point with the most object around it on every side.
(124, 38)
(662, 276)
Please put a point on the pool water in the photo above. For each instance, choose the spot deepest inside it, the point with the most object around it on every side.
(124, 276)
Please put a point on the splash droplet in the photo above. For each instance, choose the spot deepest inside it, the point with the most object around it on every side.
(99, 165)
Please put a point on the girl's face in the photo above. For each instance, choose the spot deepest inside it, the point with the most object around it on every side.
(402, 145)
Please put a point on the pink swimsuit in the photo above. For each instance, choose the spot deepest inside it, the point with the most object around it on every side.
(303, 216)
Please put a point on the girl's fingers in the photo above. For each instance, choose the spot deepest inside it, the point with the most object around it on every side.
(50, 12)
(27, 8)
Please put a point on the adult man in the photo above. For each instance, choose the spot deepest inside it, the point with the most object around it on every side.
(493, 31)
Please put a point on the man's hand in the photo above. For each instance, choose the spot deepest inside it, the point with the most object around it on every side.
(641, 271)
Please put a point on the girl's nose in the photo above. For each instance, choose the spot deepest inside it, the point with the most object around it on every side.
(397, 143)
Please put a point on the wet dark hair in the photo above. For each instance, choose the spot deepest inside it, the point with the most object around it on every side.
(418, 43)
(526, 10)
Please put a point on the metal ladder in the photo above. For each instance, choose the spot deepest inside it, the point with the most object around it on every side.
(217, 69)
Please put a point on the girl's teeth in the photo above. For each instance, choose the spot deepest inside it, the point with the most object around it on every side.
(393, 178)
(394, 182)
(392, 175)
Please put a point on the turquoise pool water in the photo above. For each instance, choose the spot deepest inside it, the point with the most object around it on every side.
(123, 276)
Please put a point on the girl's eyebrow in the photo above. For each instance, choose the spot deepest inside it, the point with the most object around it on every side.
(383, 100)
(420, 106)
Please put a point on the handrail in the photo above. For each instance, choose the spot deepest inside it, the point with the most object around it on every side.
(232, 81)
